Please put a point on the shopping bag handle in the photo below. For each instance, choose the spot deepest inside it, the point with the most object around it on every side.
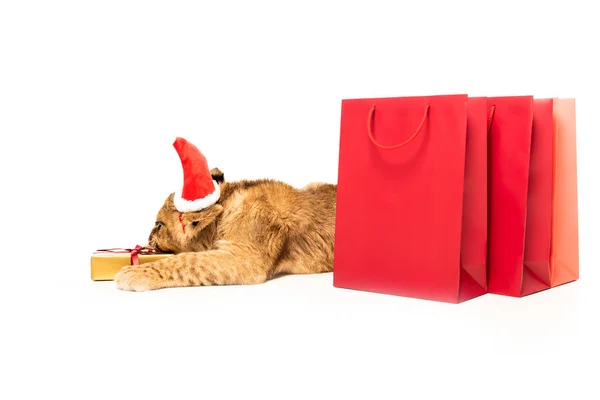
(407, 141)
(491, 118)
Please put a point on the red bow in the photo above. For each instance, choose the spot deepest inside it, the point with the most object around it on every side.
(135, 252)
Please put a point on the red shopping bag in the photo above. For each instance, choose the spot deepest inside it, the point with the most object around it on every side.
(475, 213)
(538, 225)
(402, 177)
(533, 195)
(564, 248)
(510, 142)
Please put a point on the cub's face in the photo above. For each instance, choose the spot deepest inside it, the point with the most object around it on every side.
(176, 232)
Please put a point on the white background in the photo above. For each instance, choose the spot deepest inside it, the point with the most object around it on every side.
(92, 95)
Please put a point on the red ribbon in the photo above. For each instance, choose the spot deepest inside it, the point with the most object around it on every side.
(134, 259)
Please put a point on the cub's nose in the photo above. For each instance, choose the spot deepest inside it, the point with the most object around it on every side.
(151, 243)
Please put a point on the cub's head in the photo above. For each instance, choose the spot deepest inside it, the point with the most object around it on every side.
(176, 232)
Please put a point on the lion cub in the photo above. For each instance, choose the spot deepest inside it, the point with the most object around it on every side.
(253, 232)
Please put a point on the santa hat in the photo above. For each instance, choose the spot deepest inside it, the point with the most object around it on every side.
(199, 189)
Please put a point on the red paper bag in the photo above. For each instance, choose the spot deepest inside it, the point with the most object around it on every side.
(475, 213)
(551, 234)
(564, 248)
(401, 184)
(538, 226)
(533, 195)
(509, 172)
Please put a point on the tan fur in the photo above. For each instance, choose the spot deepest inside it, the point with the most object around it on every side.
(257, 230)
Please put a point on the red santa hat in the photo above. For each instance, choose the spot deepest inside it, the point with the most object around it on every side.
(199, 189)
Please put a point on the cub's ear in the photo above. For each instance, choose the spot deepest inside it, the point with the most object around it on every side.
(201, 219)
(217, 175)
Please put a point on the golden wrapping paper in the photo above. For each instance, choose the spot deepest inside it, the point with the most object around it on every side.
(105, 264)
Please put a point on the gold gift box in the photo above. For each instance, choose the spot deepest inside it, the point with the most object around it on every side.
(106, 263)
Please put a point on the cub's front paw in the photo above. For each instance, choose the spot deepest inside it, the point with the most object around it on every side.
(138, 278)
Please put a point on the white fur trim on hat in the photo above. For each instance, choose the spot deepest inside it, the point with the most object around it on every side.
(183, 205)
